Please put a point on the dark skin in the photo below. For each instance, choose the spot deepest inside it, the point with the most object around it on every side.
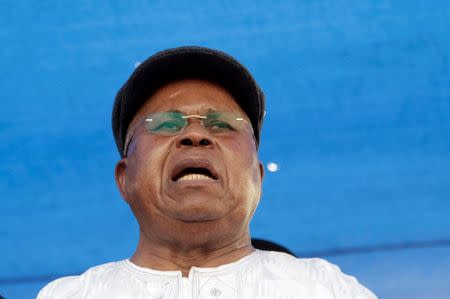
(201, 223)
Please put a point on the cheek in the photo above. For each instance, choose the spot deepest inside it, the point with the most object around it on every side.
(146, 169)
(243, 170)
(242, 155)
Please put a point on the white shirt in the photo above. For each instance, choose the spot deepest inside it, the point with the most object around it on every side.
(262, 274)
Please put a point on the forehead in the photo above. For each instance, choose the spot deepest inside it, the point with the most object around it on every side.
(191, 96)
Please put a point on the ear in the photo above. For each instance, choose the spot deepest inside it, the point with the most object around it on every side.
(261, 170)
(120, 176)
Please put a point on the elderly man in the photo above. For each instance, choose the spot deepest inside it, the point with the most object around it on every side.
(187, 125)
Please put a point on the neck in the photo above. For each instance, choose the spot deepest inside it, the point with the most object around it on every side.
(166, 256)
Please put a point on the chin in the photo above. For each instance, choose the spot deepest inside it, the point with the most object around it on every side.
(196, 205)
(198, 214)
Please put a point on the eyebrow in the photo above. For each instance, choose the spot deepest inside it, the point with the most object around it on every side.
(210, 110)
(174, 110)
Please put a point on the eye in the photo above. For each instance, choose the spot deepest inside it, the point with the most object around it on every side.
(220, 126)
(171, 126)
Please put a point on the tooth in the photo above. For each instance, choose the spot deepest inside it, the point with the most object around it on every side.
(190, 177)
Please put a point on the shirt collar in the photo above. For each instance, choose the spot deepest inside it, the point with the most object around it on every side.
(194, 270)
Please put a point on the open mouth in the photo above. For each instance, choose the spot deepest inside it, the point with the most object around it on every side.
(194, 173)
(191, 170)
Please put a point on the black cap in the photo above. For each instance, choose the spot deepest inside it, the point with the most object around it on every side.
(180, 63)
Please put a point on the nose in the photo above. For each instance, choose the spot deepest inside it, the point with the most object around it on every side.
(194, 138)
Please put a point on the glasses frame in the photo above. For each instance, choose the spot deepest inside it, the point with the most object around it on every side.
(184, 116)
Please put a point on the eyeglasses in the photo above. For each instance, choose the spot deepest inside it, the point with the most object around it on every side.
(173, 122)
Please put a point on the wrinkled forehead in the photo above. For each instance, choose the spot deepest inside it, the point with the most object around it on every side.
(188, 96)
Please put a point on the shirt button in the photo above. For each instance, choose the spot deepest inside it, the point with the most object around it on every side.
(215, 292)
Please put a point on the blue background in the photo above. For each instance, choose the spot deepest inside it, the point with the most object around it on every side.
(358, 120)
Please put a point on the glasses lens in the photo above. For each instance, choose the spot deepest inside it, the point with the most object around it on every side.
(224, 122)
(165, 123)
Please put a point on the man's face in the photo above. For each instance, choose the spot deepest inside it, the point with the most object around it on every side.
(150, 177)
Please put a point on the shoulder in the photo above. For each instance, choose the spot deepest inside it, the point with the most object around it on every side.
(315, 271)
(71, 286)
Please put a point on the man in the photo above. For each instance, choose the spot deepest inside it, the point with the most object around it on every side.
(187, 126)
